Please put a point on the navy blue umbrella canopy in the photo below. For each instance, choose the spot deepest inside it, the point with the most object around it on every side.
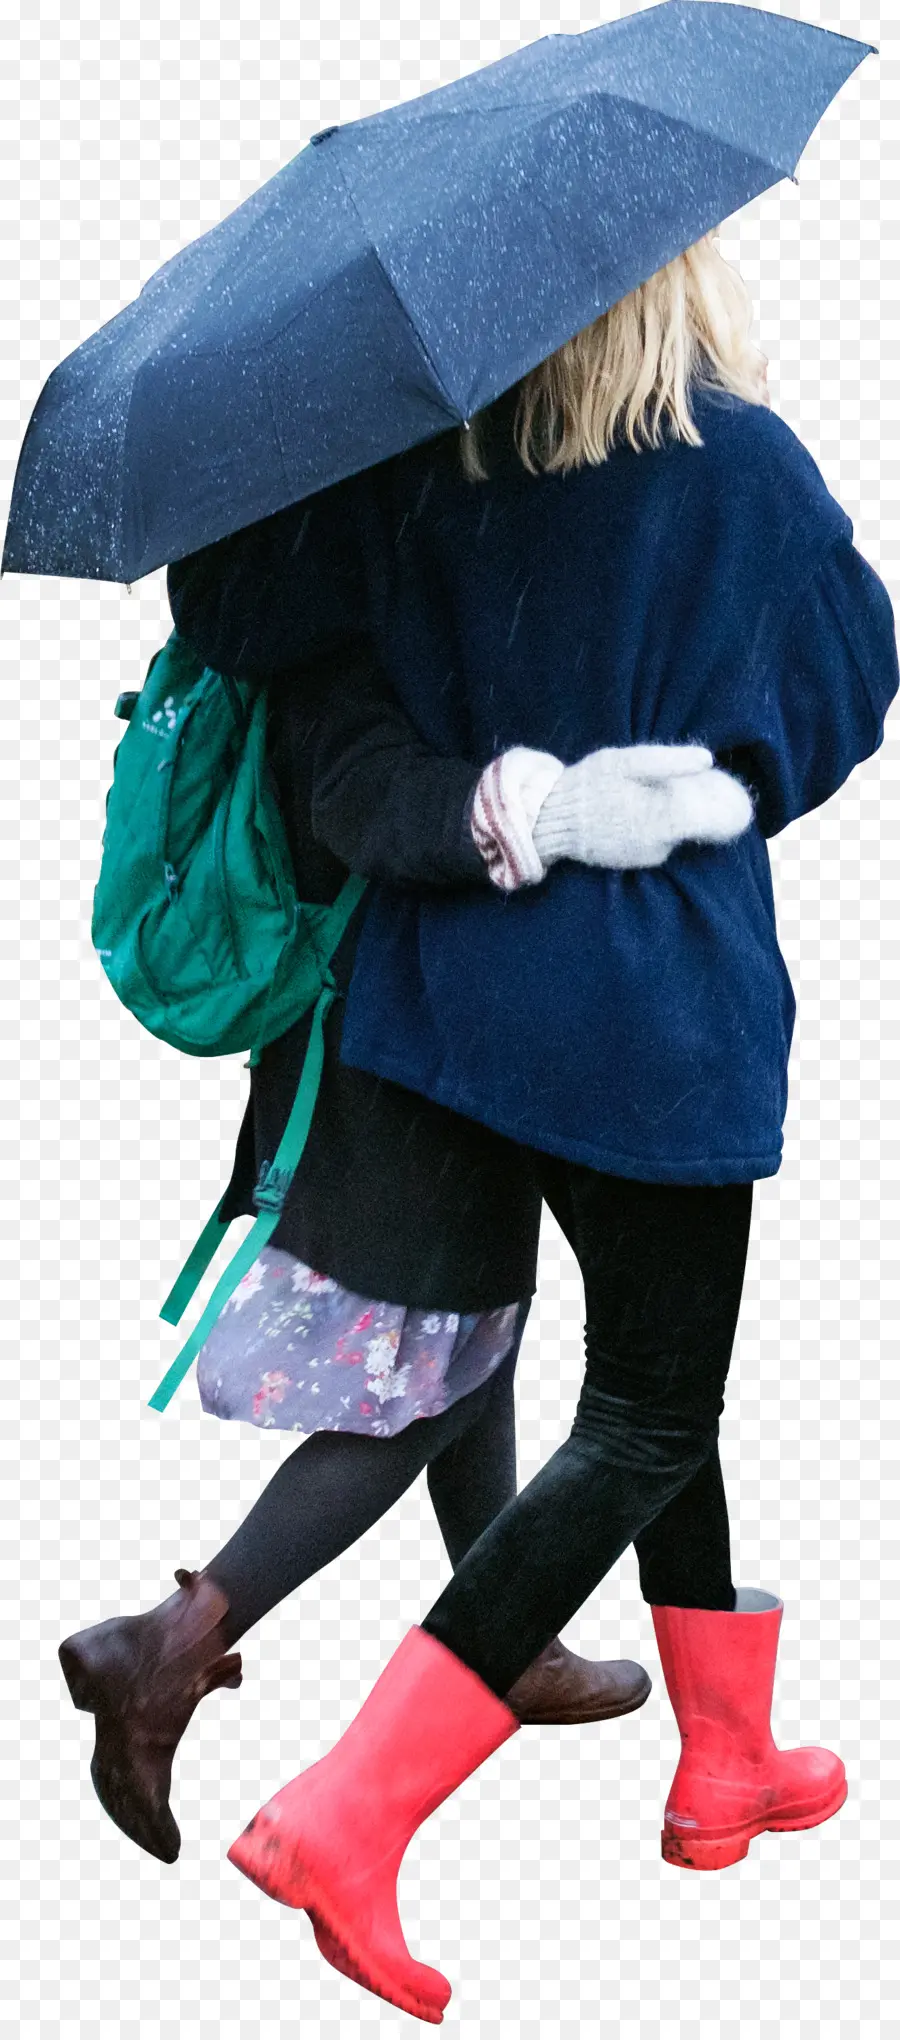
(404, 270)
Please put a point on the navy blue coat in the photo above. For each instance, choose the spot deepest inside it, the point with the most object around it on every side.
(639, 1022)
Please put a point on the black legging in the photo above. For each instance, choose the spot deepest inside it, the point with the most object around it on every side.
(337, 1484)
(663, 1268)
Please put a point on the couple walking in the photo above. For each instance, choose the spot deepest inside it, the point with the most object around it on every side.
(551, 682)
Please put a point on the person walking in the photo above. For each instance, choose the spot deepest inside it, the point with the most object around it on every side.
(385, 1316)
(629, 547)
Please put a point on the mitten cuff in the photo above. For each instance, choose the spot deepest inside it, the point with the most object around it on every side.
(508, 798)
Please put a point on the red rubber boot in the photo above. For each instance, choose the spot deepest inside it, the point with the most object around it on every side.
(732, 1782)
(332, 1841)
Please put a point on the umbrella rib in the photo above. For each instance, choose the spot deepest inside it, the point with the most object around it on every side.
(676, 120)
(549, 108)
(550, 112)
(120, 508)
(454, 408)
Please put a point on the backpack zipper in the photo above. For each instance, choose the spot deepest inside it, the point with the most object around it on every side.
(219, 861)
(171, 878)
(167, 766)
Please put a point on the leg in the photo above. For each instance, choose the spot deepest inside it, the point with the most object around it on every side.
(663, 1268)
(660, 1322)
(684, 1555)
(474, 1476)
(663, 1275)
(330, 1491)
(470, 1482)
(141, 1676)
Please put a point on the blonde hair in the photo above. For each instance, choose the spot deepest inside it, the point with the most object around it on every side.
(629, 374)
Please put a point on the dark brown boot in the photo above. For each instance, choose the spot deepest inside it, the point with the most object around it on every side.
(141, 1676)
(560, 1687)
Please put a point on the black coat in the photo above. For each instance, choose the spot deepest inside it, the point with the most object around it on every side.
(395, 1196)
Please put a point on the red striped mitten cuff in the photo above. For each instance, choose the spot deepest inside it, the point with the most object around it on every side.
(508, 798)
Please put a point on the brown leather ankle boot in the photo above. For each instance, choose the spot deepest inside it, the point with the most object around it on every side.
(141, 1677)
(560, 1687)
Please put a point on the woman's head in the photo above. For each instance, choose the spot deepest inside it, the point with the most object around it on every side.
(628, 375)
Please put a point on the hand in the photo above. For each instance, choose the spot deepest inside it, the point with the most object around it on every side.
(625, 808)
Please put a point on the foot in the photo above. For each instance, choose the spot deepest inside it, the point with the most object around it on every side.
(300, 1849)
(560, 1687)
(732, 1781)
(332, 1841)
(141, 1676)
(709, 1824)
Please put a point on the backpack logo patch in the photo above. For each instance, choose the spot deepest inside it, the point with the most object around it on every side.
(162, 723)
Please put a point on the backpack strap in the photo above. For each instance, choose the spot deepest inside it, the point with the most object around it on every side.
(275, 1177)
(269, 1197)
(320, 929)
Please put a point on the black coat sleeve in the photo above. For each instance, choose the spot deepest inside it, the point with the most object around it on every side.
(283, 591)
(388, 806)
(283, 602)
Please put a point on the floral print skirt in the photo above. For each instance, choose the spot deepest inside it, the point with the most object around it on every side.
(293, 1351)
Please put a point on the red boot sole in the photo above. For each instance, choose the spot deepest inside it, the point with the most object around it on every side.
(341, 1959)
(336, 1940)
(692, 1851)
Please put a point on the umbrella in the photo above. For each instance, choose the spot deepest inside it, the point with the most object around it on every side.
(402, 272)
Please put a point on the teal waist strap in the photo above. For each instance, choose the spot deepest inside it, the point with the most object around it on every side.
(270, 1194)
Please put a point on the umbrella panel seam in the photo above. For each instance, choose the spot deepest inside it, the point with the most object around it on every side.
(442, 387)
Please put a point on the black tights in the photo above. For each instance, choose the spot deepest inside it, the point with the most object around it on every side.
(663, 1268)
(337, 1484)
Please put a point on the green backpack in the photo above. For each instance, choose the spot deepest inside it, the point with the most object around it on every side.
(197, 922)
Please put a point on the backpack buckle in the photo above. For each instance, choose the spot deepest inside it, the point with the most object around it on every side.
(272, 1188)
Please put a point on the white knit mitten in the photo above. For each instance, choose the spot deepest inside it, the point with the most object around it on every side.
(626, 807)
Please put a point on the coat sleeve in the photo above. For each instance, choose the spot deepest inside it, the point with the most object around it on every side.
(276, 594)
(386, 804)
(818, 705)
